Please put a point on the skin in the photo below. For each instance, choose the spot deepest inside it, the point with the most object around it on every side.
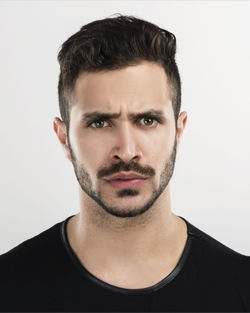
(129, 238)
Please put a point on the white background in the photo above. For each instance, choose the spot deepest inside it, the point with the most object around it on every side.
(210, 186)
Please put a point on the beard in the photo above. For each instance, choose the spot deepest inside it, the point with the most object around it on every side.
(86, 185)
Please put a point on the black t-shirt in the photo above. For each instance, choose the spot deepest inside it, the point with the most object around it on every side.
(43, 274)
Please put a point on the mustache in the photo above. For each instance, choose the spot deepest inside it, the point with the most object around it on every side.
(122, 167)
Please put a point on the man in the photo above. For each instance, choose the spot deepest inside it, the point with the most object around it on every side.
(119, 97)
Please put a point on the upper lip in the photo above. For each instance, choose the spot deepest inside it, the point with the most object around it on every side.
(126, 176)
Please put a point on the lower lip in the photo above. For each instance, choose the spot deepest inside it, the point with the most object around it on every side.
(130, 183)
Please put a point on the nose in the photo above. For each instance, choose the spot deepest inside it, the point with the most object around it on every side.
(127, 148)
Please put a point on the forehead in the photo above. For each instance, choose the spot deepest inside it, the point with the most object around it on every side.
(137, 87)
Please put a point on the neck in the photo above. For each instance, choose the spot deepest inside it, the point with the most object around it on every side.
(106, 243)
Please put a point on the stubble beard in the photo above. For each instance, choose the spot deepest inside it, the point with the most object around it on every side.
(86, 185)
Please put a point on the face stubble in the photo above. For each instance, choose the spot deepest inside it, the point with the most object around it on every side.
(86, 185)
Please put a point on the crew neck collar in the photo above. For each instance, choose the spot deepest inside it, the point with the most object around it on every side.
(165, 281)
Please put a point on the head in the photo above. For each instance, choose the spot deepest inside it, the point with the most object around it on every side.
(123, 66)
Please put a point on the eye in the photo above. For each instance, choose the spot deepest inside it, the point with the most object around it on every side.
(151, 119)
(96, 122)
(146, 118)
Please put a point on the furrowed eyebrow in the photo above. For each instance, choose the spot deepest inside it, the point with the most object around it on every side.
(132, 116)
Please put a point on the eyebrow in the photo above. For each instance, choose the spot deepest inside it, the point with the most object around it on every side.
(90, 116)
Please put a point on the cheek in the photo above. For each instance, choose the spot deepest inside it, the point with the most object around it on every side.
(89, 150)
(161, 151)
(162, 144)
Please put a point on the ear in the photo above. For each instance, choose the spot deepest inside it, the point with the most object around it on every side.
(181, 123)
(61, 132)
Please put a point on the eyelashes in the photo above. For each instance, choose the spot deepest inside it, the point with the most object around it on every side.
(157, 120)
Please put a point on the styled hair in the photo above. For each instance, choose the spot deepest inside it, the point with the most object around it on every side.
(115, 43)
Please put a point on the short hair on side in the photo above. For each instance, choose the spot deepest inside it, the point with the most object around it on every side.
(115, 43)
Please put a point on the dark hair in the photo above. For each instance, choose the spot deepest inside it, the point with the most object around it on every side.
(115, 43)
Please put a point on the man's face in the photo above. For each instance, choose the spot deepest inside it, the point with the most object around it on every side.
(101, 148)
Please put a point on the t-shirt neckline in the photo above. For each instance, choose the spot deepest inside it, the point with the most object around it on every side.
(165, 281)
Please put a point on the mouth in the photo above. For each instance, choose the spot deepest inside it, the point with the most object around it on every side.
(127, 183)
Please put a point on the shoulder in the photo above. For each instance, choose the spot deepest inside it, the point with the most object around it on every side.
(217, 259)
(210, 244)
(27, 256)
(207, 251)
(212, 250)
(221, 274)
(221, 267)
(29, 270)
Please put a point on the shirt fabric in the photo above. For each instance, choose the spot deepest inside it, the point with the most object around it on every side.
(43, 274)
